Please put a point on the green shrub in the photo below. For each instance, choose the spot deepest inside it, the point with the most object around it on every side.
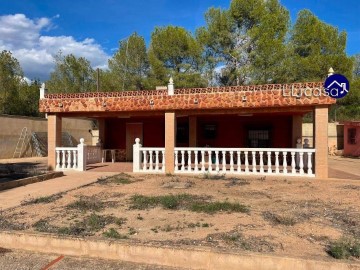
(87, 204)
(344, 248)
(213, 207)
(112, 233)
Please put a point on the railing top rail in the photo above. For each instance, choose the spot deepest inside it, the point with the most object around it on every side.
(65, 148)
(298, 150)
(152, 148)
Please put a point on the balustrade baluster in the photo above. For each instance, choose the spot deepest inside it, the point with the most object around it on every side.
(75, 159)
(293, 164)
(202, 160)
(277, 170)
(63, 152)
(68, 159)
(182, 160)
(151, 168)
(224, 161)
(238, 162)
(269, 162)
(253, 161)
(309, 165)
(301, 164)
(145, 160)
(261, 162)
(284, 162)
(210, 161)
(196, 168)
(156, 160)
(189, 161)
(246, 162)
(217, 168)
(232, 161)
(176, 161)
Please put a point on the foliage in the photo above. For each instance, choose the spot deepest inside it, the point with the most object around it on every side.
(71, 75)
(247, 41)
(317, 46)
(175, 52)
(129, 66)
(112, 233)
(344, 248)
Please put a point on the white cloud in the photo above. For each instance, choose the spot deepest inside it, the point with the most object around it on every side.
(35, 52)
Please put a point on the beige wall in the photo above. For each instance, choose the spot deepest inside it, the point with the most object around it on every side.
(11, 126)
(335, 134)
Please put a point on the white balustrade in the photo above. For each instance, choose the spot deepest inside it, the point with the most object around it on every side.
(264, 161)
(66, 158)
(152, 159)
(76, 158)
(196, 160)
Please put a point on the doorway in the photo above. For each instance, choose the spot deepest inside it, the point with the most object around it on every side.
(133, 131)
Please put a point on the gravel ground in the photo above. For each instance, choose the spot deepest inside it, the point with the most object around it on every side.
(23, 260)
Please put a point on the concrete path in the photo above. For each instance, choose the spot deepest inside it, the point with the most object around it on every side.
(13, 197)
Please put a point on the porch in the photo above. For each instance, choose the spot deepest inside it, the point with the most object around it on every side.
(235, 130)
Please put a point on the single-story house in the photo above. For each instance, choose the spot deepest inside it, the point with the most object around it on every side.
(352, 138)
(253, 129)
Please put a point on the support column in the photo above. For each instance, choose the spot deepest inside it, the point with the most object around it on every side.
(170, 140)
(321, 141)
(192, 131)
(54, 138)
(296, 129)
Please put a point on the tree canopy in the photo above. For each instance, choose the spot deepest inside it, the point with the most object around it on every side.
(251, 42)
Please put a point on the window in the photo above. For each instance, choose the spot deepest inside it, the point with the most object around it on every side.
(259, 138)
(352, 136)
(209, 131)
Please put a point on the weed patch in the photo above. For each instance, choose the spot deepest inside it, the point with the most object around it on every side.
(344, 248)
(213, 207)
(45, 199)
(6, 224)
(120, 179)
(112, 233)
(213, 176)
(185, 201)
(87, 204)
(43, 225)
(277, 219)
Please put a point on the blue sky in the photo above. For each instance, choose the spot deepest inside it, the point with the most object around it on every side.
(93, 28)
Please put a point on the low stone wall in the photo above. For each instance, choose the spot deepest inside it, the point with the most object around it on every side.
(193, 258)
(30, 180)
(9, 136)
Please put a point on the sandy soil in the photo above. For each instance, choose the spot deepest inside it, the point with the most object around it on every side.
(291, 217)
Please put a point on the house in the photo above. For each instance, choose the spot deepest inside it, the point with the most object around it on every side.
(352, 138)
(253, 129)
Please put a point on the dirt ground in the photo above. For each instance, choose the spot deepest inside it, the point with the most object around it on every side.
(291, 217)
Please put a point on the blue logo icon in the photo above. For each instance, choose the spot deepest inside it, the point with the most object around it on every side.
(337, 86)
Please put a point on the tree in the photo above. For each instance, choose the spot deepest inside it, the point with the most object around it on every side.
(11, 79)
(316, 47)
(175, 52)
(29, 96)
(71, 75)
(247, 41)
(129, 66)
(268, 56)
